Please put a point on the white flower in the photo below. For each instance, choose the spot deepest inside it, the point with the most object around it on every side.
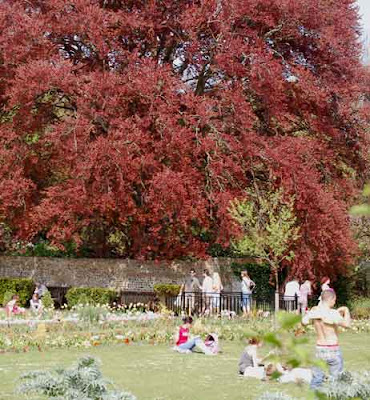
(292, 79)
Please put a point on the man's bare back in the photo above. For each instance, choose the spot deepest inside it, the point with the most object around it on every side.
(326, 321)
(325, 334)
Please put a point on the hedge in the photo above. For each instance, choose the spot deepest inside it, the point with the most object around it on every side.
(21, 286)
(166, 289)
(92, 296)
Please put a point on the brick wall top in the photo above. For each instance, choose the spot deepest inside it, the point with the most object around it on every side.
(123, 274)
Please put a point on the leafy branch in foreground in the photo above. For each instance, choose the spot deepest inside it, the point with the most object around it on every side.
(82, 382)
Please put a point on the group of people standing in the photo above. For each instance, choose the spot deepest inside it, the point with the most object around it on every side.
(205, 298)
(202, 297)
(296, 294)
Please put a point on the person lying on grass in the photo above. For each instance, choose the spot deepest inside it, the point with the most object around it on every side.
(283, 374)
(185, 344)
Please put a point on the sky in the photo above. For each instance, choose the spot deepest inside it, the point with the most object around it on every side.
(365, 13)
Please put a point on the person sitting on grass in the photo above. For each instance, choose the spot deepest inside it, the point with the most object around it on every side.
(36, 304)
(326, 321)
(249, 364)
(186, 345)
(12, 307)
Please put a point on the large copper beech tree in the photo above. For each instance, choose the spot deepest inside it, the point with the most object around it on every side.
(129, 125)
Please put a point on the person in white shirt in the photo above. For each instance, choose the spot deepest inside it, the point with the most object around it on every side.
(304, 292)
(290, 295)
(36, 304)
(207, 291)
(247, 286)
(217, 288)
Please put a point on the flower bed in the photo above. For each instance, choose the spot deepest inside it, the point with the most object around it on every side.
(153, 331)
(86, 326)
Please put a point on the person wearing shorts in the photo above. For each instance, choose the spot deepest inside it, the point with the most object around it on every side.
(247, 286)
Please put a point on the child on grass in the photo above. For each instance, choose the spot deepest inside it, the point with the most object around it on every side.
(12, 307)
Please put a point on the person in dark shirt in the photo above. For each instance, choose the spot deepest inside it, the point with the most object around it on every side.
(191, 286)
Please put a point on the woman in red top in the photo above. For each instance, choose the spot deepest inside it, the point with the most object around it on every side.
(186, 345)
(184, 331)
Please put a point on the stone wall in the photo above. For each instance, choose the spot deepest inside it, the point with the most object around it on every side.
(123, 274)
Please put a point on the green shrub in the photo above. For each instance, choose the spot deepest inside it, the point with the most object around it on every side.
(84, 381)
(360, 308)
(166, 289)
(7, 297)
(91, 296)
(47, 300)
(20, 286)
(90, 313)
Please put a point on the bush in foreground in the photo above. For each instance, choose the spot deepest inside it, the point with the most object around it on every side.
(82, 382)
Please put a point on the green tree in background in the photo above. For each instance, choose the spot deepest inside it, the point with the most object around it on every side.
(269, 229)
(363, 209)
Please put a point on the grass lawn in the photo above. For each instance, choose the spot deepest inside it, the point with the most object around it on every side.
(157, 373)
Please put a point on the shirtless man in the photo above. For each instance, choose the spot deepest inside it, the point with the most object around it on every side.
(326, 321)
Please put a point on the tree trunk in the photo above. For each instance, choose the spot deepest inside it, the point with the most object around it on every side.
(276, 290)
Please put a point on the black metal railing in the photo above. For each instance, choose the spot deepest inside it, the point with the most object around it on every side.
(196, 303)
(225, 302)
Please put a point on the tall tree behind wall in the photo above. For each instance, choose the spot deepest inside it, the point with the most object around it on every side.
(128, 126)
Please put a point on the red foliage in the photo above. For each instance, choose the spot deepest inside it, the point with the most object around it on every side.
(148, 117)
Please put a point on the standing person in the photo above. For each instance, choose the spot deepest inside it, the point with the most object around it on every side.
(291, 294)
(40, 289)
(217, 289)
(326, 321)
(207, 289)
(191, 287)
(247, 286)
(304, 292)
(325, 282)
